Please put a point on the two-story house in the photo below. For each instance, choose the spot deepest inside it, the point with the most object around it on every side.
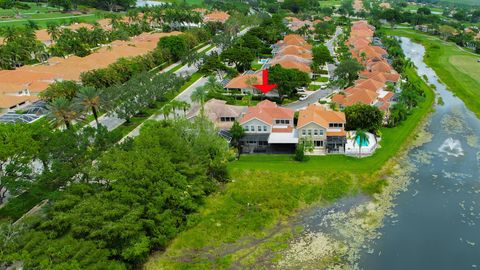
(219, 112)
(323, 128)
(268, 128)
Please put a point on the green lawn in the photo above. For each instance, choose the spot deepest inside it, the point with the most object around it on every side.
(41, 14)
(329, 3)
(248, 219)
(456, 67)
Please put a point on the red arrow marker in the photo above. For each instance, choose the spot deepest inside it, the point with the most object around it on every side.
(265, 87)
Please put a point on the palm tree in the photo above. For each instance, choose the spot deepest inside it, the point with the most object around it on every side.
(200, 95)
(62, 111)
(176, 105)
(361, 137)
(89, 98)
(166, 110)
(184, 106)
(9, 32)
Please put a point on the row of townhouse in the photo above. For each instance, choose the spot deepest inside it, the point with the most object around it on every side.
(292, 52)
(372, 86)
(270, 128)
(21, 87)
(296, 24)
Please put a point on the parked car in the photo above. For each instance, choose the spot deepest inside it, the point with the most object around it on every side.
(301, 89)
(323, 87)
(302, 98)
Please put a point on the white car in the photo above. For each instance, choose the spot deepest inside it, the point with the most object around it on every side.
(323, 87)
(302, 98)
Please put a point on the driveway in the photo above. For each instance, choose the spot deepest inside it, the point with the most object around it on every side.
(312, 98)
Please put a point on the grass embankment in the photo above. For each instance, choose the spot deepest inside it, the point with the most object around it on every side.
(456, 67)
(246, 224)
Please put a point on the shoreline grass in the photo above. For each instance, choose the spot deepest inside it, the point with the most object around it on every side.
(249, 219)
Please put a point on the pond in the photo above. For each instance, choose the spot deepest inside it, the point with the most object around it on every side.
(428, 215)
(435, 225)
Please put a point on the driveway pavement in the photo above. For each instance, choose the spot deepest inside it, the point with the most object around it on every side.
(312, 98)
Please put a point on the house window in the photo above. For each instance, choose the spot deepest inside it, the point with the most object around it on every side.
(318, 143)
(304, 132)
(222, 119)
(246, 128)
(309, 132)
(265, 128)
(277, 122)
(335, 125)
(287, 122)
(321, 132)
(259, 128)
(315, 132)
(252, 128)
(263, 143)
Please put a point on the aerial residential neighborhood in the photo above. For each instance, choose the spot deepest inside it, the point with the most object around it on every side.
(259, 134)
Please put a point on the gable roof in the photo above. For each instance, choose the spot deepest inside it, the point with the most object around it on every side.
(319, 115)
(299, 51)
(370, 84)
(293, 65)
(267, 111)
(216, 16)
(241, 81)
(6, 102)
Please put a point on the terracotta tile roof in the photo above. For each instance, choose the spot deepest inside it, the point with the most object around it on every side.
(37, 87)
(23, 76)
(300, 51)
(358, 43)
(76, 26)
(362, 33)
(283, 129)
(337, 133)
(216, 16)
(70, 68)
(379, 50)
(319, 115)
(43, 35)
(267, 112)
(200, 10)
(6, 102)
(381, 66)
(215, 109)
(294, 65)
(370, 84)
(11, 88)
(362, 25)
(360, 95)
(242, 81)
(294, 39)
(387, 97)
(291, 57)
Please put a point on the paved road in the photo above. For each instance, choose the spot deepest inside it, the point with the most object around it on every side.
(315, 96)
(185, 95)
(312, 98)
(112, 121)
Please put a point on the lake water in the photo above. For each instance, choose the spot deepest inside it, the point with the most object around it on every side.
(436, 221)
(428, 215)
